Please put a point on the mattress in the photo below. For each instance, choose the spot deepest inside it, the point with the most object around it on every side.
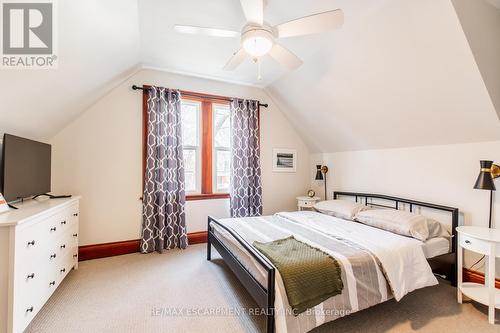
(436, 246)
(432, 248)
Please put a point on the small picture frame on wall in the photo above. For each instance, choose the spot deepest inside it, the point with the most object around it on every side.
(4, 207)
(284, 160)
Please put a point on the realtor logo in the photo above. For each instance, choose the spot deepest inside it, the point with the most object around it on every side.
(28, 34)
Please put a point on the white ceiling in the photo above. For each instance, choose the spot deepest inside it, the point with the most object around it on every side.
(399, 73)
(164, 48)
(403, 76)
(98, 47)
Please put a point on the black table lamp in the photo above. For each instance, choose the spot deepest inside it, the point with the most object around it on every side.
(320, 171)
(488, 173)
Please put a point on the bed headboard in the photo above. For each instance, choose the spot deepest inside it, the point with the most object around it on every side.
(395, 203)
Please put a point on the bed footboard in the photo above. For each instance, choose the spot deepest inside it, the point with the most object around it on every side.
(264, 296)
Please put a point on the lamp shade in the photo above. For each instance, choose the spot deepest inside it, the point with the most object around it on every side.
(485, 179)
(319, 175)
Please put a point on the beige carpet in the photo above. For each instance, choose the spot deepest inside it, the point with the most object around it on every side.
(134, 293)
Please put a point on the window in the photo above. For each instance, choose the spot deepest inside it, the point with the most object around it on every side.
(190, 114)
(206, 135)
(206, 138)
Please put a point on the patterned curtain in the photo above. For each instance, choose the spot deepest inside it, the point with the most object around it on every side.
(163, 223)
(246, 189)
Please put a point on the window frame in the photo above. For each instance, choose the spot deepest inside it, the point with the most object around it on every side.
(207, 149)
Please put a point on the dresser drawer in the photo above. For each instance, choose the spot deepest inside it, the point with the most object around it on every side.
(65, 266)
(35, 237)
(57, 274)
(24, 312)
(29, 296)
(474, 244)
(69, 218)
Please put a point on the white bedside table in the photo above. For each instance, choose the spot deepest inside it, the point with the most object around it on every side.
(484, 241)
(306, 202)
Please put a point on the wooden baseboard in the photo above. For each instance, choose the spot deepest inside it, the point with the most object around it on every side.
(197, 237)
(477, 277)
(96, 251)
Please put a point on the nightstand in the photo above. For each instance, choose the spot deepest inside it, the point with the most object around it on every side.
(306, 202)
(484, 241)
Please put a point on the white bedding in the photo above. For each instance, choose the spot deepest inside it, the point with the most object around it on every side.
(401, 262)
(402, 258)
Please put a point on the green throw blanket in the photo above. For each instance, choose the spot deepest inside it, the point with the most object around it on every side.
(310, 276)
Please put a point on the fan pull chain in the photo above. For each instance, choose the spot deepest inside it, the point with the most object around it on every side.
(259, 72)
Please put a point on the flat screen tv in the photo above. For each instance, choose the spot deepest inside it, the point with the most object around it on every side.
(25, 168)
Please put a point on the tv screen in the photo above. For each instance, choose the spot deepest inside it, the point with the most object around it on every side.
(25, 167)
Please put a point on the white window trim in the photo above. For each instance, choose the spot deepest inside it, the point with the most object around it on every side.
(214, 173)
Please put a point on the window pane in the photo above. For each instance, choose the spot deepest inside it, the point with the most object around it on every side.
(190, 123)
(190, 169)
(223, 166)
(222, 126)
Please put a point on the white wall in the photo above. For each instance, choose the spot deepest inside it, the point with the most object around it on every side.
(438, 174)
(98, 155)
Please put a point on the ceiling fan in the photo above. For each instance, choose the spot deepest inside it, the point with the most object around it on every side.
(259, 38)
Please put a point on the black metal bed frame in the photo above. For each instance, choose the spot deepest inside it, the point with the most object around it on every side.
(264, 295)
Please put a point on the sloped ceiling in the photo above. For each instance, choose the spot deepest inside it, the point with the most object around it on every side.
(480, 21)
(402, 76)
(98, 47)
(399, 73)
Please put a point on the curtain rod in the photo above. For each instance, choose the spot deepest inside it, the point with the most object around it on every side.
(134, 87)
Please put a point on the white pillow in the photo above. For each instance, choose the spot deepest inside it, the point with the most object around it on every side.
(403, 223)
(345, 209)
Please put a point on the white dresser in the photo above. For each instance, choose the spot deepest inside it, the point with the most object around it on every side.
(38, 248)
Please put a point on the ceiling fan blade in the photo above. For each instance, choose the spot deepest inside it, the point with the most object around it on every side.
(312, 24)
(285, 57)
(253, 10)
(194, 30)
(235, 60)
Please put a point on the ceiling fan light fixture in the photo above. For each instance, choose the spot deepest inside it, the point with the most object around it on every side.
(258, 42)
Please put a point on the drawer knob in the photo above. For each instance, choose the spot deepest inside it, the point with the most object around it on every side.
(63, 270)
(63, 222)
(63, 246)
(75, 214)
(30, 309)
(52, 256)
(32, 243)
(75, 255)
(53, 229)
(31, 276)
(53, 283)
(467, 241)
(75, 235)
